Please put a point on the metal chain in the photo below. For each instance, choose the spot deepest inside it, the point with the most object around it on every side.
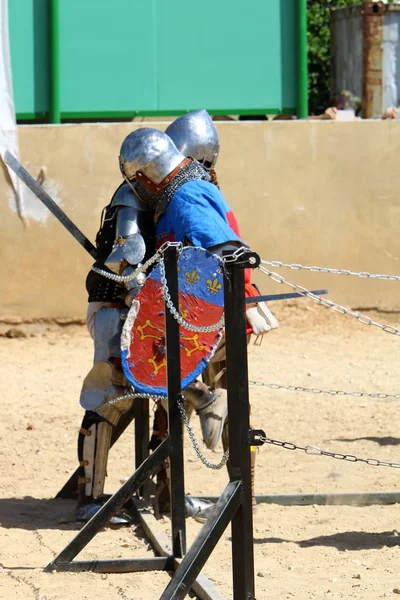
(234, 257)
(140, 269)
(195, 444)
(276, 264)
(131, 276)
(203, 328)
(330, 304)
(114, 276)
(132, 395)
(158, 397)
(299, 388)
(315, 451)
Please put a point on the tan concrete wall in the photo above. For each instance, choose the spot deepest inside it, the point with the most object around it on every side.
(314, 193)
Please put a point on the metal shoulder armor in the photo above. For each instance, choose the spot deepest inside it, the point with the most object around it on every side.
(124, 196)
(129, 246)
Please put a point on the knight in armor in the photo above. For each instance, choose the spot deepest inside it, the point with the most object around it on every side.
(194, 135)
(125, 239)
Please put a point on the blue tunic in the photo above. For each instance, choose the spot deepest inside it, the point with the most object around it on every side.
(199, 213)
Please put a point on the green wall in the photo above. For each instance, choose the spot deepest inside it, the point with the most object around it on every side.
(28, 29)
(122, 57)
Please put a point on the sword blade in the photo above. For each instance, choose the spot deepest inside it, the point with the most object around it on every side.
(44, 197)
(256, 299)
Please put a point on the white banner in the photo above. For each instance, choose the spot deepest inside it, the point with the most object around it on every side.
(8, 126)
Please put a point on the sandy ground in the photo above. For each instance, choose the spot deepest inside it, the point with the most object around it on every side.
(300, 552)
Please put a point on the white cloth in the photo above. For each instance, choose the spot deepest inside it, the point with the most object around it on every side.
(8, 124)
(92, 309)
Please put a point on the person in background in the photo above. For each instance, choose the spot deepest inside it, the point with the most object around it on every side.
(391, 113)
(342, 107)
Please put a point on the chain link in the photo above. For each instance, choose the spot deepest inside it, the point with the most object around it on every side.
(189, 326)
(134, 274)
(299, 388)
(330, 304)
(195, 444)
(315, 451)
(131, 396)
(276, 264)
(158, 397)
(234, 257)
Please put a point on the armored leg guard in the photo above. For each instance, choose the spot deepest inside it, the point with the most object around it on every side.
(105, 381)
(106, 372)
(93, 447)
(107, 333)
(100, 385)
(86, 454)
(212, 408)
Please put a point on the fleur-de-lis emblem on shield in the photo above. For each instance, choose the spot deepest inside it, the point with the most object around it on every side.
(192, 277)
(213, 286)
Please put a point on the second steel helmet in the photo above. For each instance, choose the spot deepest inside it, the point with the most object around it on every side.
(194, 135)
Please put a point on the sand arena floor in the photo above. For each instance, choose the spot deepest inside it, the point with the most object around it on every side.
(300, 552)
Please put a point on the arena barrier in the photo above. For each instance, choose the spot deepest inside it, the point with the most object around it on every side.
(234, 505)
(355, 498)
(338, 498)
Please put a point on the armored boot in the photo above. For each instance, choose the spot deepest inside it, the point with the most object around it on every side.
(198, 509)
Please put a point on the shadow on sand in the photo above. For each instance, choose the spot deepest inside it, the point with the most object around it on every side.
(347, 540)
(382, 441)
(37, 513)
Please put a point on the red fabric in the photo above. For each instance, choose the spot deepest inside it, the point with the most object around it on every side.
(233, 224)
(167, 238)
(250, 290)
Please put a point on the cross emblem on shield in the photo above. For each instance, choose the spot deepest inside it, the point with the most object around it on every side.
(201, 302)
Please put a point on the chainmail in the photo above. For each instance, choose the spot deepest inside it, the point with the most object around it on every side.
(159, 202)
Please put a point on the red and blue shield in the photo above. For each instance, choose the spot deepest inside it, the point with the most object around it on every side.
(201, 303)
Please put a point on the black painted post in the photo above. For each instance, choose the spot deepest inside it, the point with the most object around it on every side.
(142, 439)
(239, 427)
(111, 507)
(174, 417)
